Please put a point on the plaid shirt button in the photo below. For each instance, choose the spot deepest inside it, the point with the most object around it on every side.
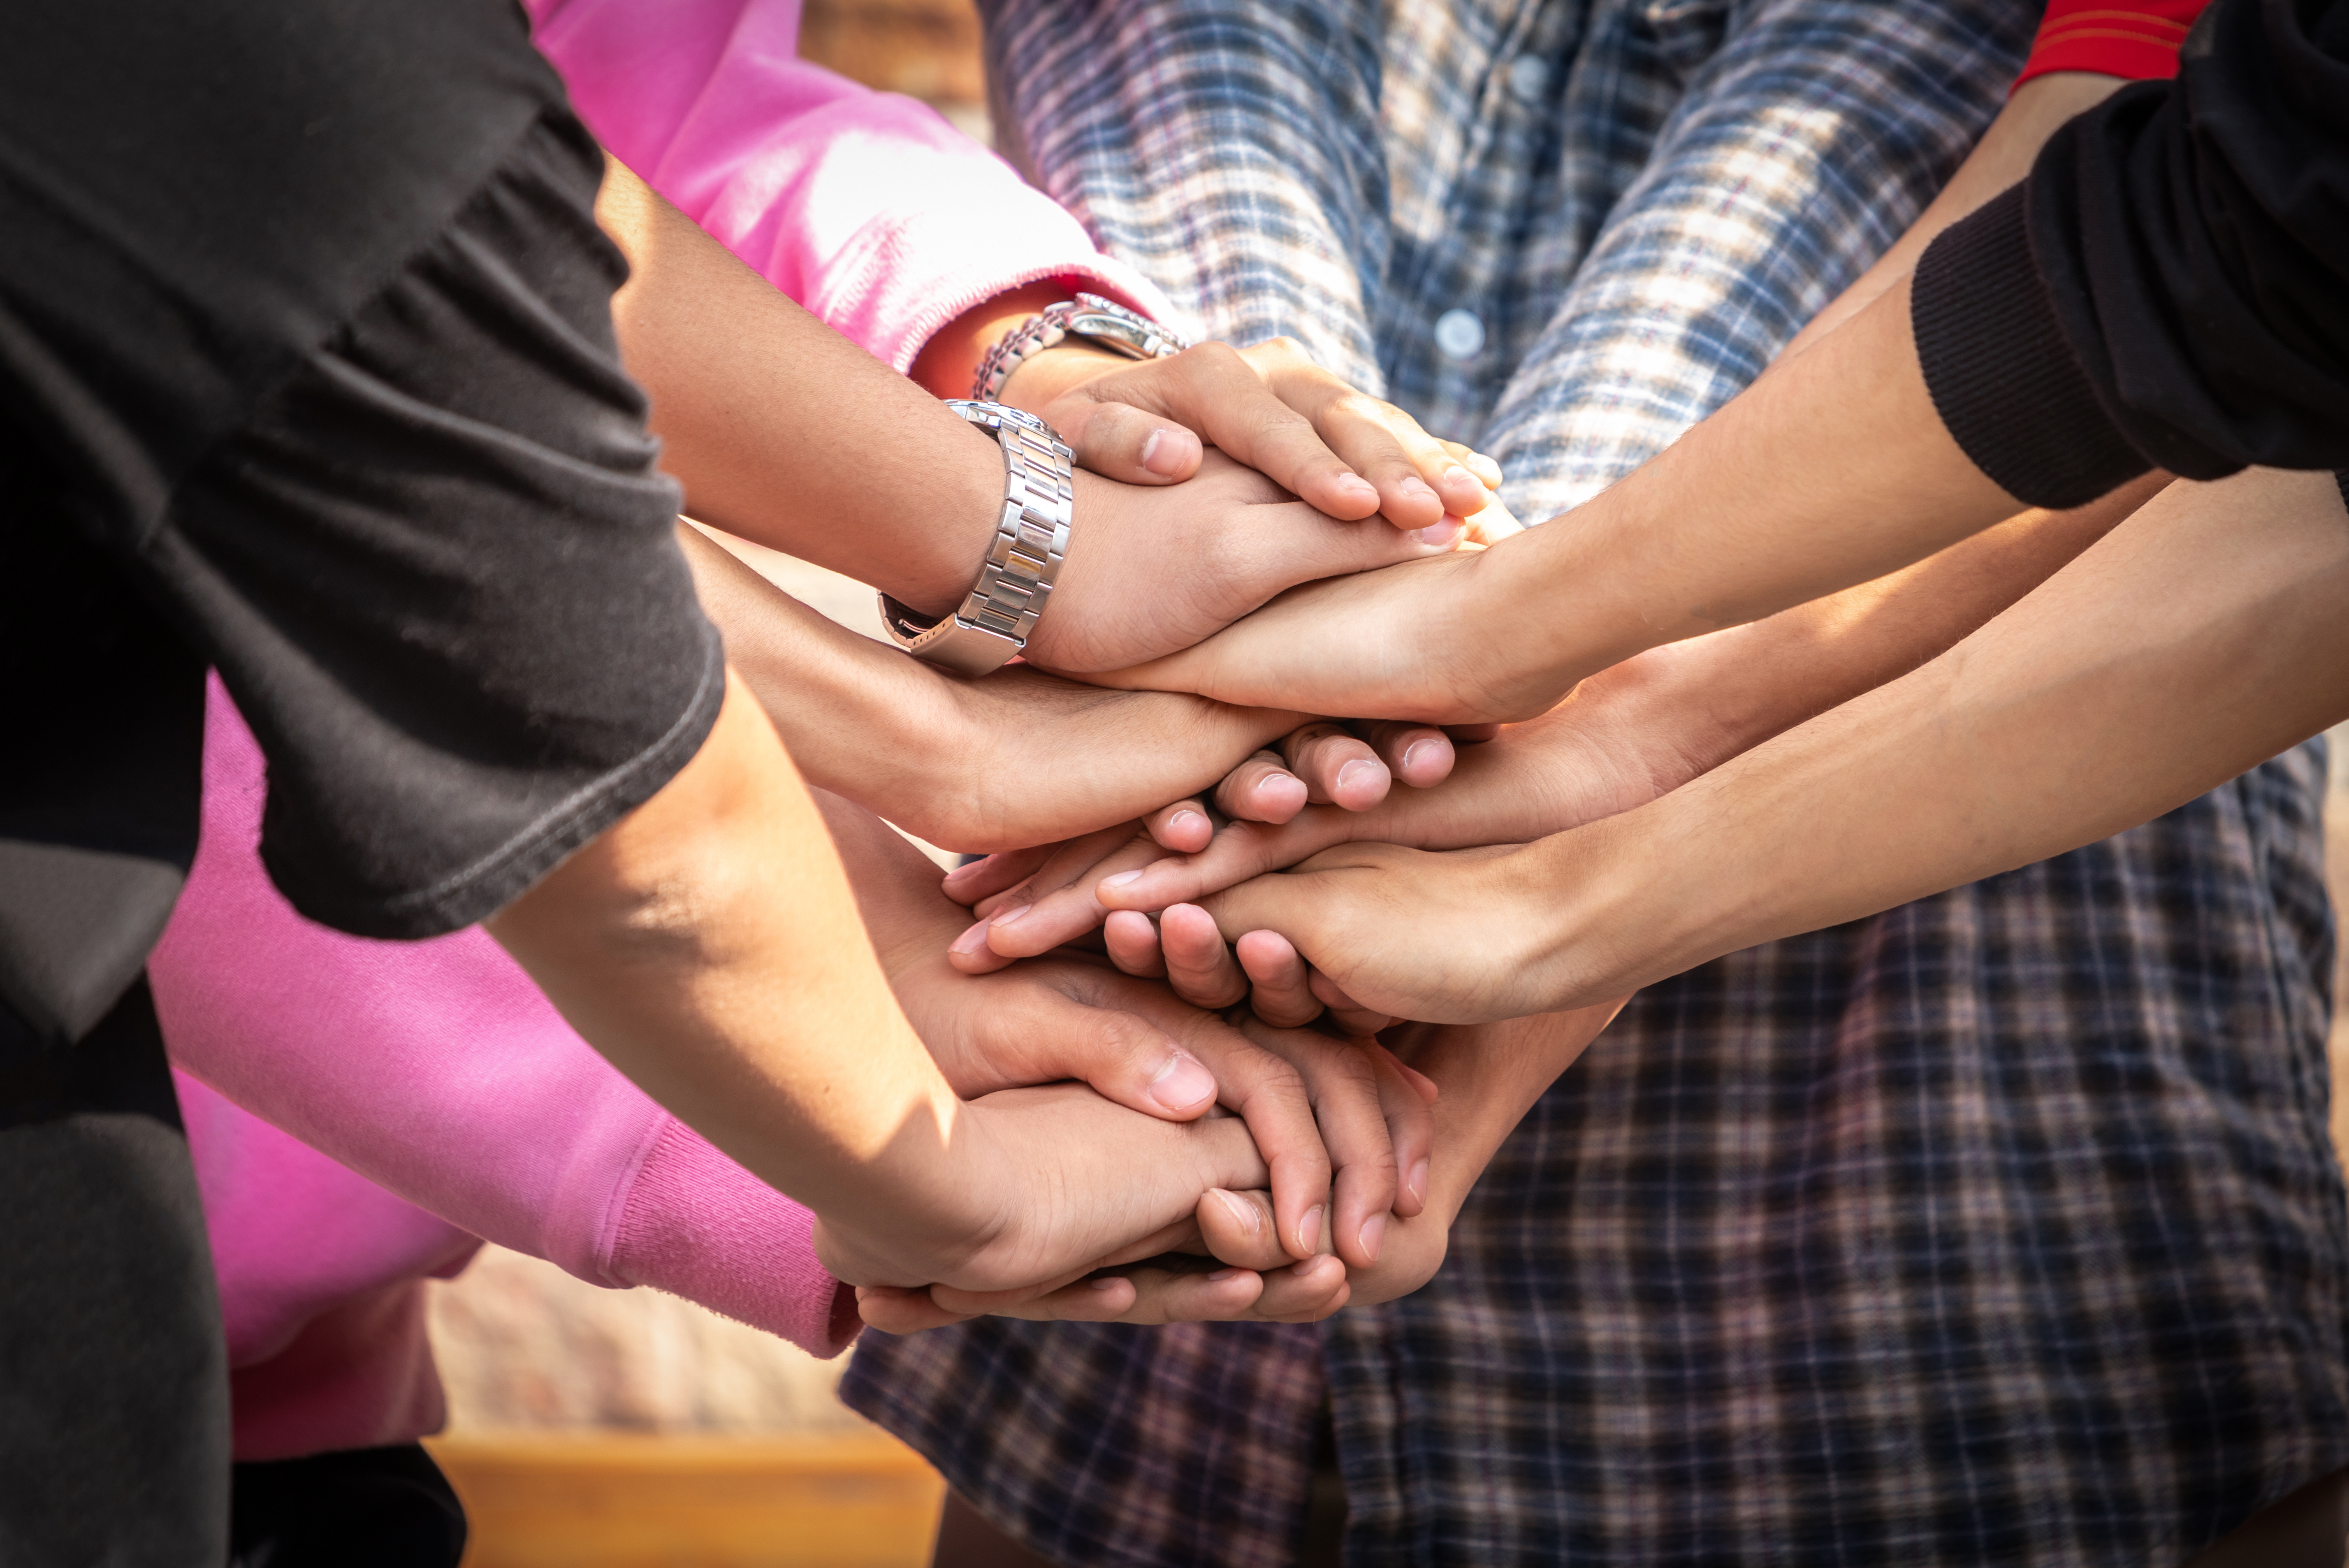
(1528, 79)
(1460, 334)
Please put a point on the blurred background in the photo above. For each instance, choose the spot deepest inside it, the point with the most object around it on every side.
(596, 1428)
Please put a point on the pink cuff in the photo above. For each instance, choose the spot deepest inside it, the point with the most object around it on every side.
(699, 1226)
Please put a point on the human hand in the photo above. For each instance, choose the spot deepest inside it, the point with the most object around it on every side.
(1049, 887)
(1491, 1075)
(1442, 640)
(1048, 1180)
(1620, 739)
(1313, 1106)
(1463, 936)
(1229, 1264)
(1268, 406)
(1150, 571)
(1015, 758)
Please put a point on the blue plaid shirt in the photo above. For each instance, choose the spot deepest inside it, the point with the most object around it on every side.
(2004, 1227)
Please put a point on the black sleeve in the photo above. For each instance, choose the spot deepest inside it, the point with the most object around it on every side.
(2170, 286)
(307, 373)
(437, 569)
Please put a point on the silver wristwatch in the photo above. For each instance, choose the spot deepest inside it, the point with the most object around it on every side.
(1031, 539)
(1089, 317)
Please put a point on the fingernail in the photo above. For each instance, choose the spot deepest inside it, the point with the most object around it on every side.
(1220, 1276)
(1242, 1212)
(971, 940)
(1374, 1231)
(1361, 773)
(1309, 1231)
(1156, 447)
(1419, 752)
(965, 870)
(1109, 1283)
(1438, 533)
(1356, 485)
(1416, 1183)
(1455, 475)
(1123, 879)
(1183, 1083)
(1012, 916)
(1181, 818)
(1283, 793)
(1414, 485)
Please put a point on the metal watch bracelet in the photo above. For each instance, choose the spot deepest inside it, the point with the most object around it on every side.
(1030, 537)
(1088, 316)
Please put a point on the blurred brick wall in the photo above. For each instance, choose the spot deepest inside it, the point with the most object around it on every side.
(926, 49)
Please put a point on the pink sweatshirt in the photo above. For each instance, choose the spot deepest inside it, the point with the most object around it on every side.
(459, 1105)
(428, 1095)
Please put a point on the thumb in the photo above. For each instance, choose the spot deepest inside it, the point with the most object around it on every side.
(1120, 441)
(1123, 1057)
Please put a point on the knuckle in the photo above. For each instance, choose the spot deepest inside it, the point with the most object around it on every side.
(1214, 356)
(1355, 405)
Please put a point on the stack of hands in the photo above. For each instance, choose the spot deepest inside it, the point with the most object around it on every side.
(1296, 1154)
(1323, 785)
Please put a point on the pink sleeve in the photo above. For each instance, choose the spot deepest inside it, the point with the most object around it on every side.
(437, 1070)
(865, 207)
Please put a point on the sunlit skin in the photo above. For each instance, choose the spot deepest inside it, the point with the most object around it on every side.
(1618, 741)
(1488, 1077)
(1832, 470)
(1313, 1110)
(2201, 637)
(709, 945)
(878, 481)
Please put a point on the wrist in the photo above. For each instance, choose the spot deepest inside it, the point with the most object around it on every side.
(926, 1210)
(1043, 378)
(1592, 941)
(964, 518)
(950, 359)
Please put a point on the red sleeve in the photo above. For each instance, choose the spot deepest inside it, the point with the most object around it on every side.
(2136, 39)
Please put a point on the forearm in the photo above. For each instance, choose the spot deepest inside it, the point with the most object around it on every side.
(710, 947)
(1649, 725)
(1734, 690)
(2200, 638)
(1014, 759)
(769, 417)
(857, 717)
(1793, 420)
(1833, 470)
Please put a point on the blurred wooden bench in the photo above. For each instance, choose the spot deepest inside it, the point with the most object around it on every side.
(844, 1499)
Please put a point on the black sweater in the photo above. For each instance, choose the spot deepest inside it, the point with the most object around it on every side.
(2170, 286)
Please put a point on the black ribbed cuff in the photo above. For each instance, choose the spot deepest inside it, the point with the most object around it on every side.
(2001, 376)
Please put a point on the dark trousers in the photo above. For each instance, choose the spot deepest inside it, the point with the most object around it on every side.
(114, 1429)
(361, 1508)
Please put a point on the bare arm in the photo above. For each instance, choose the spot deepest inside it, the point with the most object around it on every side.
(708, 944)
(1020, 757)
(1620, 739)
(1833, 469)
(786, 433)
(1487, 1075)
(2201, 637)
(1820, 460)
